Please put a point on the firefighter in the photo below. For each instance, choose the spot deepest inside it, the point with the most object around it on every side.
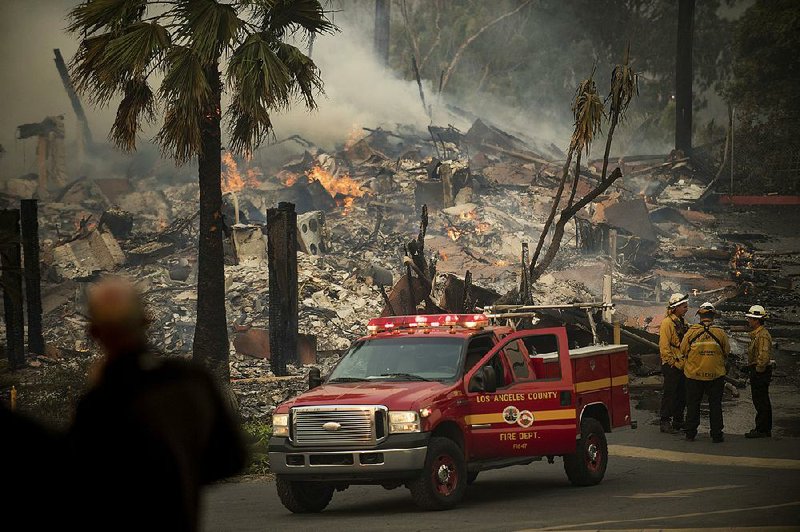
(705, 348)
(759, 366)
(673, 399)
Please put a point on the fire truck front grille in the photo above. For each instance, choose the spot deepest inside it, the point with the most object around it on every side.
(334, 425)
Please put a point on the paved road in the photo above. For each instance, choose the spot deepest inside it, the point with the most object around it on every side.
(653, 481)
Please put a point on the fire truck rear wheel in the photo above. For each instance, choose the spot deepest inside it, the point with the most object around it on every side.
(587, 466)
(443, 480)
(304, 497)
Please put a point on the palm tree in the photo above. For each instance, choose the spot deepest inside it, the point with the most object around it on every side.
(125, 42)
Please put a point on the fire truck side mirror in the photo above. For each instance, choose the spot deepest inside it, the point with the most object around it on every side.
(314, 378)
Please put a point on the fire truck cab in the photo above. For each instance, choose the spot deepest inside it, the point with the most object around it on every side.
(428, 402)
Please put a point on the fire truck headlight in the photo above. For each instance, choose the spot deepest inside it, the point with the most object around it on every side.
(404, 421)
(280, 425)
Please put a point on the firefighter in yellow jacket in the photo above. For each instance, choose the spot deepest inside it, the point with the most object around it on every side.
(759, 366)
(705, 348)
(670, 334)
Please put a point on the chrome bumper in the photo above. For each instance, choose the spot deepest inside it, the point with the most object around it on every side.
(347, 461)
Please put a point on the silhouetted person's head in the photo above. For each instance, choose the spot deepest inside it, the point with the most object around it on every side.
(117, 318)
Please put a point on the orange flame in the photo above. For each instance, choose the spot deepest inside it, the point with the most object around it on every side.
(483, 227)
(469, 215)
(343, 184)
(453, 233)
(232, 179)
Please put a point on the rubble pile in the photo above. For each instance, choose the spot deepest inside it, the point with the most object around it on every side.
(487, 192)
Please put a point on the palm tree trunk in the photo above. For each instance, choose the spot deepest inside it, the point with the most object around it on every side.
(211, 330)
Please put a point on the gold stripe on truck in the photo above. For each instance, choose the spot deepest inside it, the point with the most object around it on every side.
(544, 415)
(599, 384)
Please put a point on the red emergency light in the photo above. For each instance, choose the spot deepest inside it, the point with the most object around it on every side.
(468, 321)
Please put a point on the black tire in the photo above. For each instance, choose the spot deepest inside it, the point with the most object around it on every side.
(304, 497)
(587, 466)
(471, 477)
(444, 478)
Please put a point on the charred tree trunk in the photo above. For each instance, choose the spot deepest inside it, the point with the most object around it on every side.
(11, 264)
(382, 28)
(282, 260)
(683, 77)
(33, 288)
(211, 331)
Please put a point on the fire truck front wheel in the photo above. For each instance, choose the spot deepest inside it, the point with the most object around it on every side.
(587, 466)
(444, 478)
(304, 497)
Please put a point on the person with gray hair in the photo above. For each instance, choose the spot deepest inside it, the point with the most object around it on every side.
(151, 430)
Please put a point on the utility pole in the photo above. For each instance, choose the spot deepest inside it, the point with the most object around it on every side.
(684, 77)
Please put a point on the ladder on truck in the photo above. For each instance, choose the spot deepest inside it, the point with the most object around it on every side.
(512, 315)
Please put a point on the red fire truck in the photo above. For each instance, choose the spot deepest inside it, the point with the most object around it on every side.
(429, 401)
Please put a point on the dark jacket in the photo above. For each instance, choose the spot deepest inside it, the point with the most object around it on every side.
(143, 442)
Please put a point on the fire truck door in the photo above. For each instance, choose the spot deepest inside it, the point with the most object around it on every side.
(532, 410)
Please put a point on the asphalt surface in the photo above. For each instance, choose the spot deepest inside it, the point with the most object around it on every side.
(653, 481)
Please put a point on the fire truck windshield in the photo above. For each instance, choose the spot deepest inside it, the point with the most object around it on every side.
(400, 359)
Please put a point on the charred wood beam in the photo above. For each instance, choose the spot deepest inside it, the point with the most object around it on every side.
(73, 97)
(11, 264)
(33, 289)
(283, 292)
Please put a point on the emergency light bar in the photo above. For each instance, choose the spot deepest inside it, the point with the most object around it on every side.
(468, 321)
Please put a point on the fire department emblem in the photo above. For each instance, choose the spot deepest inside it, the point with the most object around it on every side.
(525, 419)
(510, 414)
(592, 364)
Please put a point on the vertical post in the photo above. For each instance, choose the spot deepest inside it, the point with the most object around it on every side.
(607, 297)
(658, 289)
(11, 264)
(733, 119)
(33, 289)
(382, 28)
(617, 333)
(446, 173)
(612, 246)
(282, 260)
(684, 77)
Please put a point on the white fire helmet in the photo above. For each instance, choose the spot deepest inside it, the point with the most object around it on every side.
(677, 299)
(757, 311)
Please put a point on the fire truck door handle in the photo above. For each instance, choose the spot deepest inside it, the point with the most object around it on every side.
(566, 398)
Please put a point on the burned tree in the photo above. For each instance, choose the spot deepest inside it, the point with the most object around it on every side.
(683, 77)
(11, 264)
(588, 110)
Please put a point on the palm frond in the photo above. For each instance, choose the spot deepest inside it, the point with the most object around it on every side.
(588, 112)
(624, 85)
(307, 80)
(138, 102)
(135, 48)
(99, 85)
(209, 26)
(186, 93)
(282, 16)
(257, 75)
(108, 15)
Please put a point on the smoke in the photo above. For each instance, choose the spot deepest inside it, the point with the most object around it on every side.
(359, 92)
